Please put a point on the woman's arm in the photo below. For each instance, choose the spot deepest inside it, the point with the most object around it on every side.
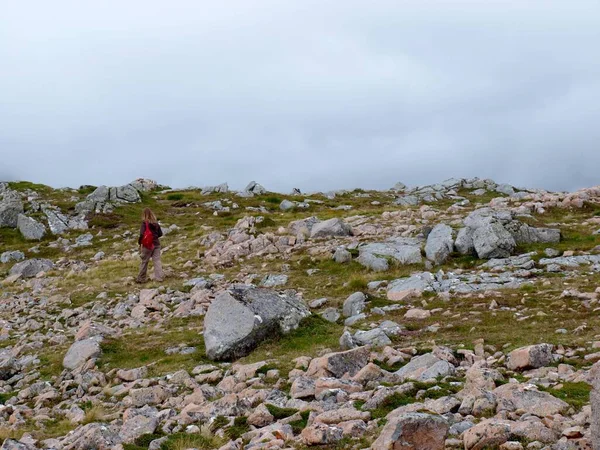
(142, 229)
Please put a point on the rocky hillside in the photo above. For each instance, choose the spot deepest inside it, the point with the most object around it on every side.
(457, 315)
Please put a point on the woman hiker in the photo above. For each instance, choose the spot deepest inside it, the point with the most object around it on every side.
(149, 246)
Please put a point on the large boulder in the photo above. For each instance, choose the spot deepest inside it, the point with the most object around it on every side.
(31, 267)
(30, 228)
(493, 241)
(530, 357)
(439, 244)
(239, 319)
(375, 255)
(10, 208)
(81, 352)
(413, 431)
(330, 228)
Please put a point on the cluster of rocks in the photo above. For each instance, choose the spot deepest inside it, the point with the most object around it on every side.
(449, 190)
(244, 240)
(104, 199)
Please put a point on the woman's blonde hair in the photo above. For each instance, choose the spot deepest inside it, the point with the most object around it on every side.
(148, 216)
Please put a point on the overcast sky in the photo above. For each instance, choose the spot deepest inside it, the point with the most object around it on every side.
(300, 93)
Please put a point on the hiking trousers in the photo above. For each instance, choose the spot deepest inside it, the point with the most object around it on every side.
(146, 255)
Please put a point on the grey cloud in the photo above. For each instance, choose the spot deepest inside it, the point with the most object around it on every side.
(316, 95)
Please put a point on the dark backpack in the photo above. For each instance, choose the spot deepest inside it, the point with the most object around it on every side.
(148, 237)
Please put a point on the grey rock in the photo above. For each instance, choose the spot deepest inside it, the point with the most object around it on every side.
(514, 396)
(464, 241)
(97, 436)
(81, 352)
(138, 424)
(153, 395)
(331, 315)
(354, 319)
(399, 187)
(407, 200)
(11, 444)
(127, 194)
(222, 188)
(286, 205)
(505, 189)
(104, 198)
(354, 304)
(84, 240)
(373, 262)
(99, 256)
(7, 257)
(8, 365)
(551, 252)
(10, 208)
(144, 185)
(525, 234)
(493, 241)
(30, 228)
(375, 337)
(302, 227)
(418, 282)
(530, 357)
(416, 431)
(342, 255)
(58, 222)
(330, 228)
(391, 328)
(31, 267)
(346, 341)
(157, 444)
(253, 189)
(273, 280)
(317, 303)
(425, 367)
(238, 320)
(402, 250)
(439, 244)
(485, 216)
